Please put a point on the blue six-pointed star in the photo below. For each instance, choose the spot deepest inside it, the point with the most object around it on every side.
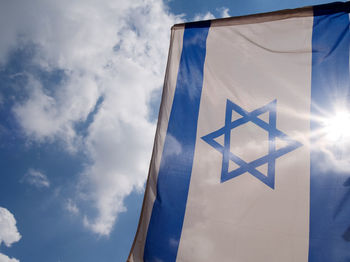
(268, 159)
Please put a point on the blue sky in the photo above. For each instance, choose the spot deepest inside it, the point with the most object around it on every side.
(80, 84)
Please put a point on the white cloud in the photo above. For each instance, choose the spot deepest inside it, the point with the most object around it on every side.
(44, 117)
(72, 207)
(206, 16)
(36, 178)
(8, 230)
(223, 12)
(4, 258)
(116, 50)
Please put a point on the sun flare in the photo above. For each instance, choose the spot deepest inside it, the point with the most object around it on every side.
(337, 127)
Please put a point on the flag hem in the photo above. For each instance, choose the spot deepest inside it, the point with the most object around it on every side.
(148, 182)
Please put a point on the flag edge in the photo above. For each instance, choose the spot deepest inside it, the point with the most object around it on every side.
(306, 11)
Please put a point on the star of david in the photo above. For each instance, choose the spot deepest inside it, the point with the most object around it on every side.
(273, 152)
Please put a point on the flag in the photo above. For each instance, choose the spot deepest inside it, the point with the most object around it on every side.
(251, 159)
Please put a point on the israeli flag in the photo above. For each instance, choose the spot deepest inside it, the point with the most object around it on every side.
(251, 159)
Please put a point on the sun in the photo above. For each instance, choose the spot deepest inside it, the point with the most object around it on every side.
(337, 127)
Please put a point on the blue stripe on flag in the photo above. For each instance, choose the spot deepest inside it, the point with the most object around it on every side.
(329, 188)
(174, 175)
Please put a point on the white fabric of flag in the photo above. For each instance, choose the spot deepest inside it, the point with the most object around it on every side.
(251, 160)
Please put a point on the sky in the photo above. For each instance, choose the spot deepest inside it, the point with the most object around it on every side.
(80, 87)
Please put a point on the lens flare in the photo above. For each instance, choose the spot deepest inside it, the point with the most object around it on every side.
(337, 127)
